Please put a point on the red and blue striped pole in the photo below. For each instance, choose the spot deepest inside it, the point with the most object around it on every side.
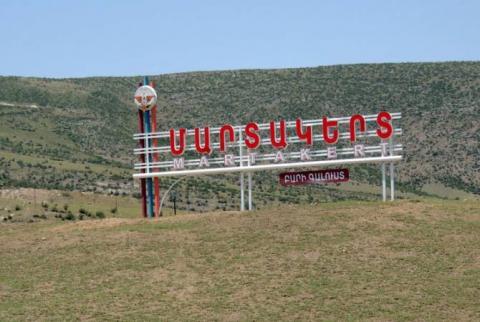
(145, 99)
(156, 181)
(143, 191)
(150, 197)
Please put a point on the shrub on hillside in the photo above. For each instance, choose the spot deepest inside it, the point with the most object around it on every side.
(69, 216)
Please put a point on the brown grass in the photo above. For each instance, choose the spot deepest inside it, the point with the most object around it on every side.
(339, 261)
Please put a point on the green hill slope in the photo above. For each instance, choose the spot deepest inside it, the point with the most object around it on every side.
(76, 133)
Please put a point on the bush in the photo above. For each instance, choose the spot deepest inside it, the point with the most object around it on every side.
(65, 207)
(17, 208)
(114, 210)
(136, 195)
(100, 214)
(69, 216)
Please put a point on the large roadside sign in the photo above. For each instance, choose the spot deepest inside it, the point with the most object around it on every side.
(329, 141)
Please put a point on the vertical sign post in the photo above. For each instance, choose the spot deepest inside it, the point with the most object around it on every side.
(249, 187)
(143, 190)
(156, 181)
(384, 183)
(146, 98)
(148, 159)
(392, 173)
(242, 190)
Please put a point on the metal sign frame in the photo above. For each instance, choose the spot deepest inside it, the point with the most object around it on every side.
(150, 165)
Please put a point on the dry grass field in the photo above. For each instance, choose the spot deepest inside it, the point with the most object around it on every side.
(406, 260)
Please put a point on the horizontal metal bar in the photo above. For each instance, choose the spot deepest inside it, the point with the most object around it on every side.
(266, 126)
(268, 156)
(262, 167)
(265, 141)
(191, 163)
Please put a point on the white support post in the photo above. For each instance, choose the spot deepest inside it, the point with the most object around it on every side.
(147, 154)
(242, 190)
(392, 182)
(249, 191)
(392, 173)
(148, 169)
(242, 193)
(249, 186)
(384, 184)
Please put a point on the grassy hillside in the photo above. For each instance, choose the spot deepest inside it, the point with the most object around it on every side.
(407, 260)
(76, 133)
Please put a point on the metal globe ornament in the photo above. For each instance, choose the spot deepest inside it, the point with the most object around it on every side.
(145, 97)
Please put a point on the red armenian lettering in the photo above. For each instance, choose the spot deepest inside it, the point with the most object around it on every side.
(253, 139)
(305, 136)
(354, 119)
(205, 149)
(231, 136)
(282, 142)
(173, 146)
(326, 125)
(386, 129)
(278, 134)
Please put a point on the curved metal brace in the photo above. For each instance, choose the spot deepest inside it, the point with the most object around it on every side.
(168, 191)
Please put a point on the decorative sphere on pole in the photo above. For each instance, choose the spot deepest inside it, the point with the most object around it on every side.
(145, 97)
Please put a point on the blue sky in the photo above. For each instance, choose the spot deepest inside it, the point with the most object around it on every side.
(52, 38)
